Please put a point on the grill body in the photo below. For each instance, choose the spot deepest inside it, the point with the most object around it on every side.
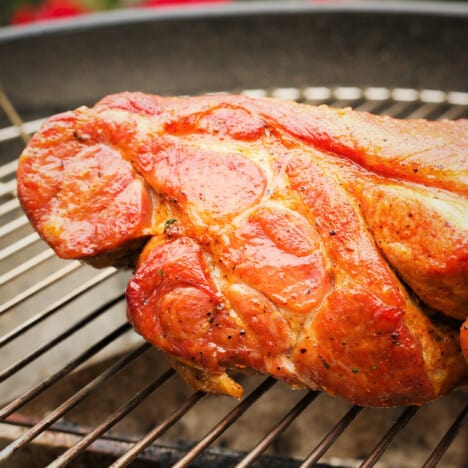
(259, 45)
(75, 382)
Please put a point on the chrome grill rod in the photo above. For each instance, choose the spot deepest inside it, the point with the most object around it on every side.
(137, 448)
(285, 422)
(81, 394)
(10, 133)
(19, 245)
(114, 418)
(9, 206)
(12, 226)
(65, 370)
(26, 266)
(331, 437)
(55, 307)
(226, 422)
(10, 167)
(389, 436)
(447, 439)
(40, 285)
(13, 368)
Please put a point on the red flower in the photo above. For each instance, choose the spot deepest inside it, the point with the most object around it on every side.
(48, 10)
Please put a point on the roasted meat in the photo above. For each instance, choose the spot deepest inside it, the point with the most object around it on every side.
(326, 247)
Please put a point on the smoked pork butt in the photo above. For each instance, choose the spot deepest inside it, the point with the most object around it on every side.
(325, 247)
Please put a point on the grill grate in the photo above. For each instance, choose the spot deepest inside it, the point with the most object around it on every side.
(60, 320)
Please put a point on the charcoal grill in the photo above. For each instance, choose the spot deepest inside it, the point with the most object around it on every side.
(78, 386)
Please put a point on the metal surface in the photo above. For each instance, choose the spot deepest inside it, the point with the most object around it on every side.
(44, 304)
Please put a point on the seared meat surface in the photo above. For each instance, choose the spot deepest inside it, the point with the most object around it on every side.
(326, 247)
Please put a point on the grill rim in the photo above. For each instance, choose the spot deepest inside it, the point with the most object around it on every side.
(236, 9)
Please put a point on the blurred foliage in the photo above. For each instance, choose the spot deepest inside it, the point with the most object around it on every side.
(26, 11)
(49, 8)
(21, 11)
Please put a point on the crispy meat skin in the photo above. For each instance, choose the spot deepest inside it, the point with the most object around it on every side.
(280, 235)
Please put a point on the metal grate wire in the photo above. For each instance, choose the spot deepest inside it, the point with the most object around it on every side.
(31, 272)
